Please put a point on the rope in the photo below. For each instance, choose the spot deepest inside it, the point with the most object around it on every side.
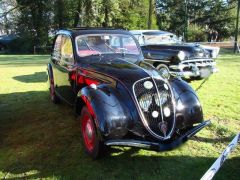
(221, 159)
(203, 82)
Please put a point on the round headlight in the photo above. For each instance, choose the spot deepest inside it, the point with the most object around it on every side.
(181, 55)
(163, 98)
(145, 101)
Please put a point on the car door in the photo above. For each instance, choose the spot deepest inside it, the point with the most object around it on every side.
(66, 70)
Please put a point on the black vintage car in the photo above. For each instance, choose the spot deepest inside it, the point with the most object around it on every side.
(120, 100)
(168, 53)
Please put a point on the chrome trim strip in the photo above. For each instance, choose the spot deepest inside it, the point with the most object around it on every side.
(195, 60)
(130, 143)
(156, 60)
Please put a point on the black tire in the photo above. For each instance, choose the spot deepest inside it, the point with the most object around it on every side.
(54, 98)
(93, 146)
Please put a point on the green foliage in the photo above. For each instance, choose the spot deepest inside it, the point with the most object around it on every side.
(196, 34)
(33, 20)
(176, 15)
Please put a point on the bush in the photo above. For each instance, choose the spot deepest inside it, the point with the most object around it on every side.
(196, 34)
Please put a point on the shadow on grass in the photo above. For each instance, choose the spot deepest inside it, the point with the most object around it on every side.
(211, 140)
(37, 77)
(40, 140)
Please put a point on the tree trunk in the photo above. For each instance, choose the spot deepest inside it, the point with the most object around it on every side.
(150, 9)
(237, 28)
(77, 14)
(106, 14)
(60, 10)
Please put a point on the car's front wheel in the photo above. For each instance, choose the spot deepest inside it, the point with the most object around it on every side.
(92, 144)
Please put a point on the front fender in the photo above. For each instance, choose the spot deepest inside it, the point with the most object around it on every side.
(188, 107)
(111, 116)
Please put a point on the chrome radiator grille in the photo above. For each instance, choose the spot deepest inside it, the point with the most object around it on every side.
(155, 101)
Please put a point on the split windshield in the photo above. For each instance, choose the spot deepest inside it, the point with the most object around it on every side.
(99, 44)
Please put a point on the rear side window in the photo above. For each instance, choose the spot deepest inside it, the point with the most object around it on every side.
(57, 47)
(67, 49)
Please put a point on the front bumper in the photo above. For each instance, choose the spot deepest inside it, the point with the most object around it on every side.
(158, 146)
(194, 68)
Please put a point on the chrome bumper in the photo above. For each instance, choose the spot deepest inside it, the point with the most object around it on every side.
(158, 146)
(198, 68)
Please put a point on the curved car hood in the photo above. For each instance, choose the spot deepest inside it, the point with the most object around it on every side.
(117, 68)
(177, 47)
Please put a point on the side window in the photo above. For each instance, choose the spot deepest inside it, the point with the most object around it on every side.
(57, 47)
(67, 49)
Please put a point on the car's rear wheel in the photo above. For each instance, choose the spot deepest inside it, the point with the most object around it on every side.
(54, 98)
(92, 144)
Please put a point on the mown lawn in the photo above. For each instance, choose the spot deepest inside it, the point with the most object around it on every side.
(42, 140)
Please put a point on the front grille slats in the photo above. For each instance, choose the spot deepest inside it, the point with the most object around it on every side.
(155, 114)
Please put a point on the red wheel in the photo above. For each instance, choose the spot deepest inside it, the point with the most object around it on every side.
(93, 146)
(53, 96)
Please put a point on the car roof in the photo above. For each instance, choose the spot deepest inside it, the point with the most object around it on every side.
(92, 30)
(150, 32)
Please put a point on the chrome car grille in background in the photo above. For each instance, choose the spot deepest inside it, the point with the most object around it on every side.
(198, 63)
(155, 101)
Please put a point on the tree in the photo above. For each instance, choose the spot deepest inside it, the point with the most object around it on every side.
(171, 15)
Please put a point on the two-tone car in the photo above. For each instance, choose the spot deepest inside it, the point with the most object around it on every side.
(119, 98)
(167, 52)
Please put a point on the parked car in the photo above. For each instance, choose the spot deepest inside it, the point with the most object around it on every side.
(168, 53)
(120, 100)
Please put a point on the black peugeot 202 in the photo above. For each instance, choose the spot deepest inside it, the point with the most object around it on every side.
(120, 100)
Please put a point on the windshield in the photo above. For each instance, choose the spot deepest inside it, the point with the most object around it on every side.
(98, 44)
(158, 39)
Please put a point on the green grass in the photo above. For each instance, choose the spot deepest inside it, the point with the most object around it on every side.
(41, 140)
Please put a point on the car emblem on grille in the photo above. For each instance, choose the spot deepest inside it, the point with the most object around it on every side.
(163, 127)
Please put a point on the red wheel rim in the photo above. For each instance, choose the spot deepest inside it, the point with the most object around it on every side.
(88, 132)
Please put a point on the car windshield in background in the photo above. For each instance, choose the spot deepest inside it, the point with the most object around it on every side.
(99, 44)
(159, 39)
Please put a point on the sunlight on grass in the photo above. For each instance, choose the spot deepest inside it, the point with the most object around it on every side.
(42, 140)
